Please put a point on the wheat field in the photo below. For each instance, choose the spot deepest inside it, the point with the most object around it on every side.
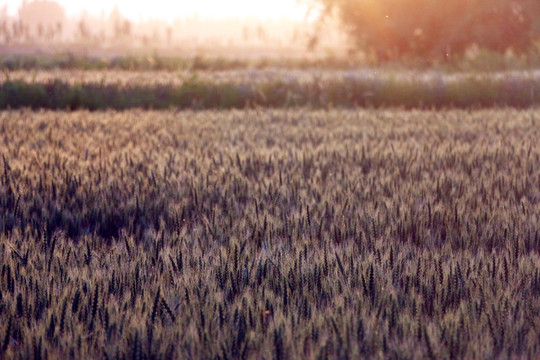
(270, 234)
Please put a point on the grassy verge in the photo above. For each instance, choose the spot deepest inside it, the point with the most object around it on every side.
(164, 63)
(479, 61)
(434, 91)
(270, 234)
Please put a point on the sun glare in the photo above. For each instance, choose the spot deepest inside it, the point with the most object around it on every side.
(170, 10)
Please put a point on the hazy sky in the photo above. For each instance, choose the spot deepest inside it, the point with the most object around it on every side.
(167, 9)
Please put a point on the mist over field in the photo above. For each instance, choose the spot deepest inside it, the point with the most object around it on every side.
(46, 27)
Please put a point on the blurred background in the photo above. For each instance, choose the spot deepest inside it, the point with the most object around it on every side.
(420, 32)
(235, 28)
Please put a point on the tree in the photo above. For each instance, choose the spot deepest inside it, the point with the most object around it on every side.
(84, 30)
(38, 16)
(435, 28)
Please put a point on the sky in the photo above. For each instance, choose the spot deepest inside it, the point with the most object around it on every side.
(169, 10)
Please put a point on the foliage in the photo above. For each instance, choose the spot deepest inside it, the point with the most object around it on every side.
(269, 234)
(436, 29)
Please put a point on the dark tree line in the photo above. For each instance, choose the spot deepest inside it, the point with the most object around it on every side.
(436, 29)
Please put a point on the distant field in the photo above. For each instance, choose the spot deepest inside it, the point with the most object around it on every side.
(270, 87)
(276, 234)
(249, 76)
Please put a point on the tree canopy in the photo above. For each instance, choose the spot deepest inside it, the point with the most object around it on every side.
(436, 28)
